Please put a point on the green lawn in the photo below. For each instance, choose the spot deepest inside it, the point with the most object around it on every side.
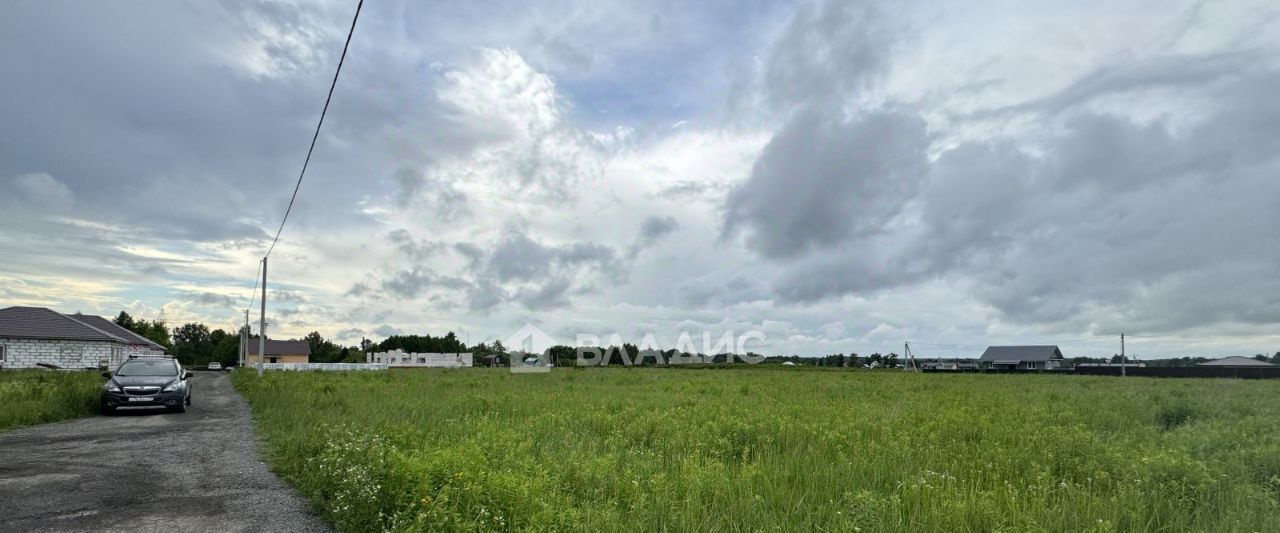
(30, 397)
(772, 450)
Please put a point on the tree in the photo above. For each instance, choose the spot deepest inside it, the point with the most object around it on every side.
(891, 360)
(853, 359)
(1275, 359)
(192, 344)
(124, 320)
(226, 347)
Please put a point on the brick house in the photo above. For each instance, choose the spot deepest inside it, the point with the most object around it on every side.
(30, 336)
(290, 351)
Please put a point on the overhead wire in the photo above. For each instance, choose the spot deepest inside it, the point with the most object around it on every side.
(316, 135)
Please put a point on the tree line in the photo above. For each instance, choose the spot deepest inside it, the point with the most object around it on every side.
(195, 344)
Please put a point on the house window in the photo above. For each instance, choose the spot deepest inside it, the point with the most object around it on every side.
(272, 359)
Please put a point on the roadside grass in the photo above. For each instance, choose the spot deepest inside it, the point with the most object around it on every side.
(29, 397)
(772, 450)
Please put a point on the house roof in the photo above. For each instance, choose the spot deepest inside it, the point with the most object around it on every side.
(1015, 354)
(117, 330)
(1236, 361)
(275, 347)
(40, 323)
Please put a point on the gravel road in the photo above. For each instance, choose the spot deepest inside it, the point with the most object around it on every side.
(197, 471)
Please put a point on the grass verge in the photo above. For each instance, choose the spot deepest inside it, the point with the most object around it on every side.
(670, 450)
(29, 397)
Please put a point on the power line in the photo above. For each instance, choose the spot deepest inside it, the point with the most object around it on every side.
(254, 295)
(315, 136)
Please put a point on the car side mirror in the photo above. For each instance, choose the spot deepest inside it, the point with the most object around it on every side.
(106, 375)
(186, 375)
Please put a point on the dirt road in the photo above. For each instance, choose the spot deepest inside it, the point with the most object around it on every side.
(197, 471)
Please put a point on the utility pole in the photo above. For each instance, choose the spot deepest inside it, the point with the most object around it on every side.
(244, 340)
(262, 321)
(1122, 355)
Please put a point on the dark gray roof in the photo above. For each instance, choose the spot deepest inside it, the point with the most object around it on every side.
(1236, 361)
(1021, 353)
(115, 329)
(274, 347)
(40, 323)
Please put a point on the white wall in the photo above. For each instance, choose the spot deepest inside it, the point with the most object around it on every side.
(26, 353)
(425, 360)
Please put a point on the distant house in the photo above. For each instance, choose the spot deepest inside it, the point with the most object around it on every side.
(290, 351)
(31, 336)
(399, 358)
(1236, 362)
(1021, 358)
(946, 364)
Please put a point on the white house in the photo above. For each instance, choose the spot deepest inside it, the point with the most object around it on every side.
(30, 336)
(400, 359)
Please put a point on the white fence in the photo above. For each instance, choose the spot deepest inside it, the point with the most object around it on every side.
(340, 367)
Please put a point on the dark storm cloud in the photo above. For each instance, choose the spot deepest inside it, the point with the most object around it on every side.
(548, 295)
(440, 198)
(349, 333)
(408, 284)
(827, 51)
(1099, 218)
(1146, 73)
(517, 257)
(485, 295)
(651, 230)
(536, 275)
(822, 181)
(1110, 221)
(387, 330)
(413, 249)
(211, 299)
(713, 289)
(516, 268)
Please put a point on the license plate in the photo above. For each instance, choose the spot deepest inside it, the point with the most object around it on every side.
(140, 399)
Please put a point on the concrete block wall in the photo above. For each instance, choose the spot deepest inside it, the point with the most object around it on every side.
(27, 353)
(398, 359)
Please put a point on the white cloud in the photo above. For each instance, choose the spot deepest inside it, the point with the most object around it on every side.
(954, 174)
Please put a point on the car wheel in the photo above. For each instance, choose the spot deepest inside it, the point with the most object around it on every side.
(181, 408)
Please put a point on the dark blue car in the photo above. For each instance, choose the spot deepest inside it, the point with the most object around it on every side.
(147, 382)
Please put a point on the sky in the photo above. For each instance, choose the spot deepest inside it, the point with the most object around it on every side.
(840, 176)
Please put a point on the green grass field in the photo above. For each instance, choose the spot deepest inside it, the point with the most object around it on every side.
(37, 396)
(772, 450)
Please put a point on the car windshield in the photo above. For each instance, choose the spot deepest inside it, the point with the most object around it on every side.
(147, 368)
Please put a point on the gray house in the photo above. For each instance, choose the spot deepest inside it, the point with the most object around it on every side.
(31, 336)
(1237, 362)
(1021, 358)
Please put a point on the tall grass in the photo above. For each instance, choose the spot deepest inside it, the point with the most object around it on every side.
(772, 450)
(30, 397)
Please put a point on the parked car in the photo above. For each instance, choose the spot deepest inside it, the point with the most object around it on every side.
(215, 366)
(147, 382)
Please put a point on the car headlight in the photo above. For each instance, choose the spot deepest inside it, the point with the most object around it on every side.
(173, 386)
(112, 387)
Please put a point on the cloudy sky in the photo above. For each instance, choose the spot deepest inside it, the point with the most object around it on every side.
(843, 176)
